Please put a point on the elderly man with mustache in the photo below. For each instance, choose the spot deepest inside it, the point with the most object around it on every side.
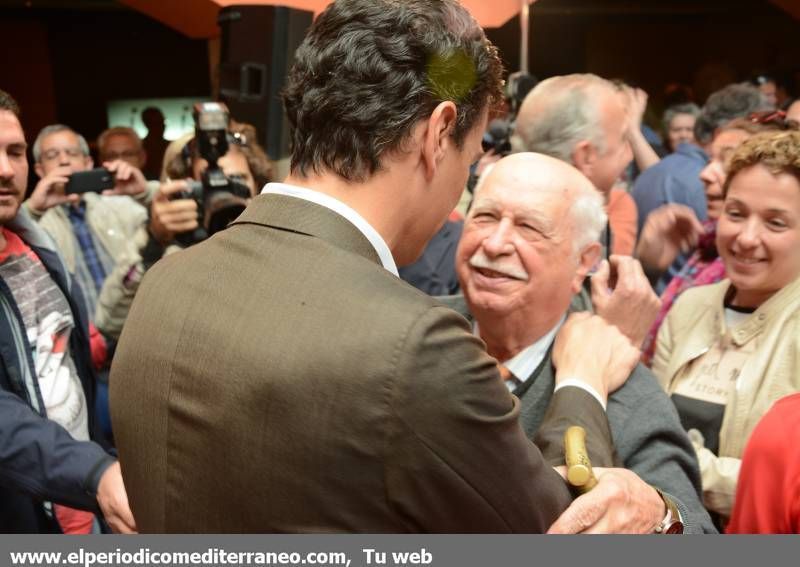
(529, 241)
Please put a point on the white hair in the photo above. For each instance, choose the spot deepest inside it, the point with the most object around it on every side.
(52, 129)
(566, 112)
(588, 218)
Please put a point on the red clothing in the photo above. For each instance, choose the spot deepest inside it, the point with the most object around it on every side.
(21, 269)
(98, 347)
(15, 247)
(623, 218)
(768, 491)
(74, 522)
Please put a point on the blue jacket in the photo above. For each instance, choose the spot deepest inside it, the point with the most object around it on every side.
(40, 462)
(675, 179)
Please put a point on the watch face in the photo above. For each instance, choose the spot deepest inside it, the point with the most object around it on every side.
(674, 528)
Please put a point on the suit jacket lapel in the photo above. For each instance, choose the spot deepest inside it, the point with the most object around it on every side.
(304, 217)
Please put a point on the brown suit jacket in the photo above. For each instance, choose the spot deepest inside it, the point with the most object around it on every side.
(277, 378)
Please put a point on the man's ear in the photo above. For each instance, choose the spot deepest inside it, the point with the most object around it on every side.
(89, 162)
(437, 139)
(584, 156)
(37, 167)
(587, 259)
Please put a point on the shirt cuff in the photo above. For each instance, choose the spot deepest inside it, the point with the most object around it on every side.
(567, 382)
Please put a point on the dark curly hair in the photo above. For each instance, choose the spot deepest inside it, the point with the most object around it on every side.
(8, 103)
(369, 70)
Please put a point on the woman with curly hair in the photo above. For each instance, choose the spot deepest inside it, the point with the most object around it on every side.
(726, 352)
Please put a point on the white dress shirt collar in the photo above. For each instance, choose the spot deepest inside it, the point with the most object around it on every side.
(528, 359)
(338, 207)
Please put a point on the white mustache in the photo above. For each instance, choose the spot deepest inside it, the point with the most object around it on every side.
(479, 260)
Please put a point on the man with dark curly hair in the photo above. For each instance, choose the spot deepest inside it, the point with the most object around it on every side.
(281, 377)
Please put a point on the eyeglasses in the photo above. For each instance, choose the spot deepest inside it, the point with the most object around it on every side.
(54, 153)
(773, 118)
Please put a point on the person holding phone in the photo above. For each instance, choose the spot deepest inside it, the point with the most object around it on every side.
(97, 218)
(98, 229)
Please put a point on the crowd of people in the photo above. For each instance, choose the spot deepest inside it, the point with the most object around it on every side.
(205, 349)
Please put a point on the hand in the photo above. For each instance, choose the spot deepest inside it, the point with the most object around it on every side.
(622, 296)
(49, 192)
(637, 104)
(168, 218)
(590, 349)
(668, 230)
(129, 180)
(621, 503)
(113, 501)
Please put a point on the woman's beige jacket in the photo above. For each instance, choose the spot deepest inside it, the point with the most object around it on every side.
(694, 324)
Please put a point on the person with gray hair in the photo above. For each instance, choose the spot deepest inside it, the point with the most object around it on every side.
(529, 241)
(595, 125)
(676, 178)
(580, 119)
(583, 120)
(728, 103)
(678, 124)
(121, 142)
(100, 236)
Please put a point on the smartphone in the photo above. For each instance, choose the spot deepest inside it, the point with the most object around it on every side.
(92, 181)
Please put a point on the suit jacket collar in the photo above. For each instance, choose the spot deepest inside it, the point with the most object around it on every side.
(303, 217)
(545, 368)
(544, 375)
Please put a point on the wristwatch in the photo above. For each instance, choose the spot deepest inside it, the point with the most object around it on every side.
(671, 524)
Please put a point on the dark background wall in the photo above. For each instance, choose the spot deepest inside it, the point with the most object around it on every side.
(65, 65)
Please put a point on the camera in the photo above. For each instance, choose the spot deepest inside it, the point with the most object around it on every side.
(498, 135)
(220, 199)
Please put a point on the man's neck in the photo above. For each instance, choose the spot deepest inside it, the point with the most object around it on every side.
(372, 199)
(506, 335)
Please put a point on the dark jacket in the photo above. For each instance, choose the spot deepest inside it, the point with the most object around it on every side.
(40, 462)
(647, 432)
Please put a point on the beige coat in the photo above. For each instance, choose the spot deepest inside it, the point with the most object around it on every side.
(119, 223)
(694, 324)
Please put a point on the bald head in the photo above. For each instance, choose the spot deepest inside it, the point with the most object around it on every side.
(530, 175)
(529, 240)
(529, 168)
